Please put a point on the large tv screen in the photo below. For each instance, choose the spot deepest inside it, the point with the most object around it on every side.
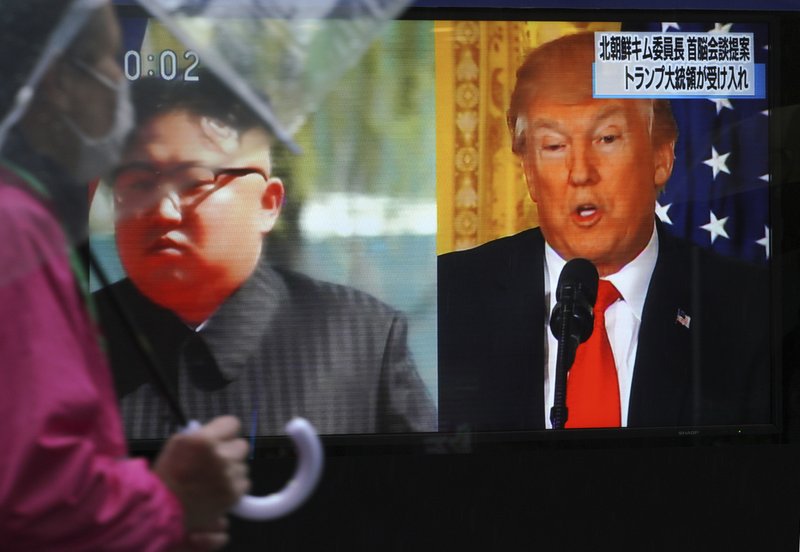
(399, 276)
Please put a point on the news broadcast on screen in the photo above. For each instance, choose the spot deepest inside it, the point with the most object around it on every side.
(403, 274)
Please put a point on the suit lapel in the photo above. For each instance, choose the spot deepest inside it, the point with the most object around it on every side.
(661, 379)
(231, 334)
(517, 334)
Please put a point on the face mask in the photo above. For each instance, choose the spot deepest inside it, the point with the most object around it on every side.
(98, 155)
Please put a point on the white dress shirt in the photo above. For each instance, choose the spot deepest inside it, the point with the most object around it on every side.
(623, 319)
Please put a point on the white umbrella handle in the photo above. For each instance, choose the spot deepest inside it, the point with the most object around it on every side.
(298, 489)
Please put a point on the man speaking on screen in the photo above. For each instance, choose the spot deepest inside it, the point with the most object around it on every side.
(684, 334)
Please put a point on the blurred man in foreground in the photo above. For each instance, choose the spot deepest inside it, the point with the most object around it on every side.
(65, 483)
(683, 334)
(195, 200)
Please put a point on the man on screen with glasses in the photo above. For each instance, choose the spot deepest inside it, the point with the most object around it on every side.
(195, 199)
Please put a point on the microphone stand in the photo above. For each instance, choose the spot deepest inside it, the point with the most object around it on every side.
(564, 359)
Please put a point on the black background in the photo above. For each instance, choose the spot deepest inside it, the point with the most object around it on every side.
(688, 498)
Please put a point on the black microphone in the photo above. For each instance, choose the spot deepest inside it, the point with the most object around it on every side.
(571, 323)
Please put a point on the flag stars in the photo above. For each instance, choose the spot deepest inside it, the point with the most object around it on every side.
(716, 227)
(662, 212)
(764, 242)
(717, 162)
(720, 28)
(721, 103)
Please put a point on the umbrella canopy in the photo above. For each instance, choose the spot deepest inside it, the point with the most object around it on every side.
(278, 57)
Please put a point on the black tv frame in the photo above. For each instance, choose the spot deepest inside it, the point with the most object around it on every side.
(783, 93)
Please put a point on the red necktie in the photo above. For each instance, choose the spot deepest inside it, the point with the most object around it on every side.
(592, 385)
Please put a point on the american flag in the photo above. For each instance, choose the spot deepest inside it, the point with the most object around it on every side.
(683, 319)
(718, 195)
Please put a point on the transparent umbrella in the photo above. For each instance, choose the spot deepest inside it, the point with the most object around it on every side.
(289, 52)
(279, 57)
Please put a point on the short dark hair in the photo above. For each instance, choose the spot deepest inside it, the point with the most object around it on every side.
(576, 53)
(206, 97)
(24, 31)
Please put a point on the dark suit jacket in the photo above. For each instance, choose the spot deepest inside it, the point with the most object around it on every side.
(492, 335)
(283, 345)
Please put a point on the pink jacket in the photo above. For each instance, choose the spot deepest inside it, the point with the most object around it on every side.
(65, 481)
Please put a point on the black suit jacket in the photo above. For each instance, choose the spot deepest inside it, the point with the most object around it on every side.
(282, 345)
(492, 339)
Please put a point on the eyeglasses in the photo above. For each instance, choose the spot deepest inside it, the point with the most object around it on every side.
(141, 187)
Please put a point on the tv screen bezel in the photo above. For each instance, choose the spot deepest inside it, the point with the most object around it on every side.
(782, 306)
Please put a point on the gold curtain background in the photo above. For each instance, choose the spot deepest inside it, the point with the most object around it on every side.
(481, 193)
